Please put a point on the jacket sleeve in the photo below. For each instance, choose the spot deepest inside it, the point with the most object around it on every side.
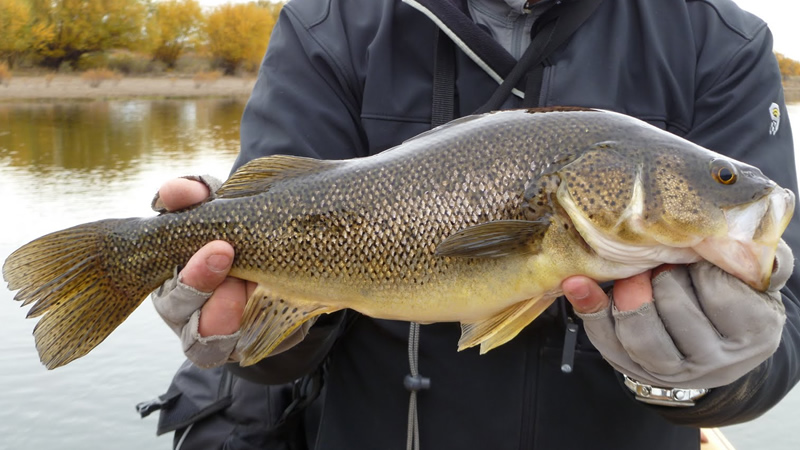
(304, 103)
(734, 108)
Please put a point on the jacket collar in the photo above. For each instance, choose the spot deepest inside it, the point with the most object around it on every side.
(451, 17)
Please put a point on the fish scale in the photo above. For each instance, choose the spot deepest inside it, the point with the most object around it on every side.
(477, 221)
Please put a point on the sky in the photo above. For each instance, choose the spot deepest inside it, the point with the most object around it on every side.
(782, 16)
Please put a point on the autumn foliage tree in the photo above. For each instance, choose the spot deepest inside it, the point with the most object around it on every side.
(238, 34)
(788, 66)
(173, 26)
(64, 30)
(89, 33)
(14, 29)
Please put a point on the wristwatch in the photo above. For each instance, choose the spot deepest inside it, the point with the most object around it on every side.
(663, 396)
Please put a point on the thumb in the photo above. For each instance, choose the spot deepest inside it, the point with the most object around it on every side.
(208, 267)
(585, 294)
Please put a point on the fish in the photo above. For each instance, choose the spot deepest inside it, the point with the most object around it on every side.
(476, 221)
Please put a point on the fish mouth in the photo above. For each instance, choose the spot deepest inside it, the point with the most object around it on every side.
(754, 230)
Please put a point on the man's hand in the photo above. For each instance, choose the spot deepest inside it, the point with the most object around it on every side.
(202, 304)
(683, 326)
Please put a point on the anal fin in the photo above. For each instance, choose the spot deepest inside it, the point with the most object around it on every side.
(502, 327)
(268, 320)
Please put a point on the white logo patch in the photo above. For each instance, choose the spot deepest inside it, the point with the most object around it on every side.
(775, 117)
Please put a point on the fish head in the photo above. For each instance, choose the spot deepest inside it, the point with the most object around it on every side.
(657, 198)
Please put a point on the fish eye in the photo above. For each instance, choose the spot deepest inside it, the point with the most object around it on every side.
(723, 172)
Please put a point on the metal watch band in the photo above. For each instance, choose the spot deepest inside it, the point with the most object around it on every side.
(663, 396)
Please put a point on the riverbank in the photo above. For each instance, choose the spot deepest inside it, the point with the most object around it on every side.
(72, 87)
(791, 88)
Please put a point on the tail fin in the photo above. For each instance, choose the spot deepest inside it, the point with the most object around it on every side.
(66, 274)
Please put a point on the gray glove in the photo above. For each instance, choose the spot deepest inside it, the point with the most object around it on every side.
(180, 307)
(704, 328)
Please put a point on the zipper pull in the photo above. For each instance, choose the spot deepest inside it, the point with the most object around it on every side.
(570, 343)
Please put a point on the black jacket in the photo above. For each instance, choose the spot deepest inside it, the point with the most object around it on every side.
(343, 79)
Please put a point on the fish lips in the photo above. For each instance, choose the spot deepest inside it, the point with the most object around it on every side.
(747, 251)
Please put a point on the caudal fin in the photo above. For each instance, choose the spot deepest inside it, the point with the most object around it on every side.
(68, 276)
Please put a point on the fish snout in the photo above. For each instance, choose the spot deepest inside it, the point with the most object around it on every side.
(747, 250)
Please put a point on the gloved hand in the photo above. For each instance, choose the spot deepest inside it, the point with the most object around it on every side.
(698, 327)
(201, 303)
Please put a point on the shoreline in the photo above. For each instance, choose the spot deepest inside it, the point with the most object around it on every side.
(72, 87)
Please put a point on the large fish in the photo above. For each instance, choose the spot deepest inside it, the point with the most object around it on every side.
(477, 221)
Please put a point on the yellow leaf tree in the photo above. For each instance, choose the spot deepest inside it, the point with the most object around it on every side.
(64, 30)
(15, 31)
(238, 34)
(788, 66)
(173, 26)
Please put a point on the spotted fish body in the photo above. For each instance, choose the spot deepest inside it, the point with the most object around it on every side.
(477, 221)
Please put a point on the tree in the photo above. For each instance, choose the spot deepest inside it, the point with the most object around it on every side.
(172, 26)
(238, 34)
(788, 66)
(64, 30)
(15, 31)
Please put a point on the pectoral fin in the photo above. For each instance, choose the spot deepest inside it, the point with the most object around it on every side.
(495, 239)
(268, 320)
(501, 328)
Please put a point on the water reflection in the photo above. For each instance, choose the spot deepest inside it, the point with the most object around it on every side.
(113, 136)
(67, 163)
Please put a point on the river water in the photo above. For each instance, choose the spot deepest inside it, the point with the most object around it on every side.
(62, 164)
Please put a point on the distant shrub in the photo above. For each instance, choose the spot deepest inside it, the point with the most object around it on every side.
(128, 63)
(133, 63)
(192, 63)
(203, 78)
(94, 60)
(157, 67)
(95, 77)
(5, 74)
(65, 67)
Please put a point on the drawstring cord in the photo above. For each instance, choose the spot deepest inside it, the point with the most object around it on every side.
(414, 382)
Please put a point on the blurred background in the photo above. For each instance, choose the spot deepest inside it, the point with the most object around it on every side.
(102, 101)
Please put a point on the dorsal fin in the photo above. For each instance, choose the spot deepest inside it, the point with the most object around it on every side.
(470, 118)
(452, 123)
(258, 175)
(549, 109)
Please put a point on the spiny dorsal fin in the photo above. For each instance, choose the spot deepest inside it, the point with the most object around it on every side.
(551, 109)
(258, 175)
(495, 239)
(452, 123)
(470, 118)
